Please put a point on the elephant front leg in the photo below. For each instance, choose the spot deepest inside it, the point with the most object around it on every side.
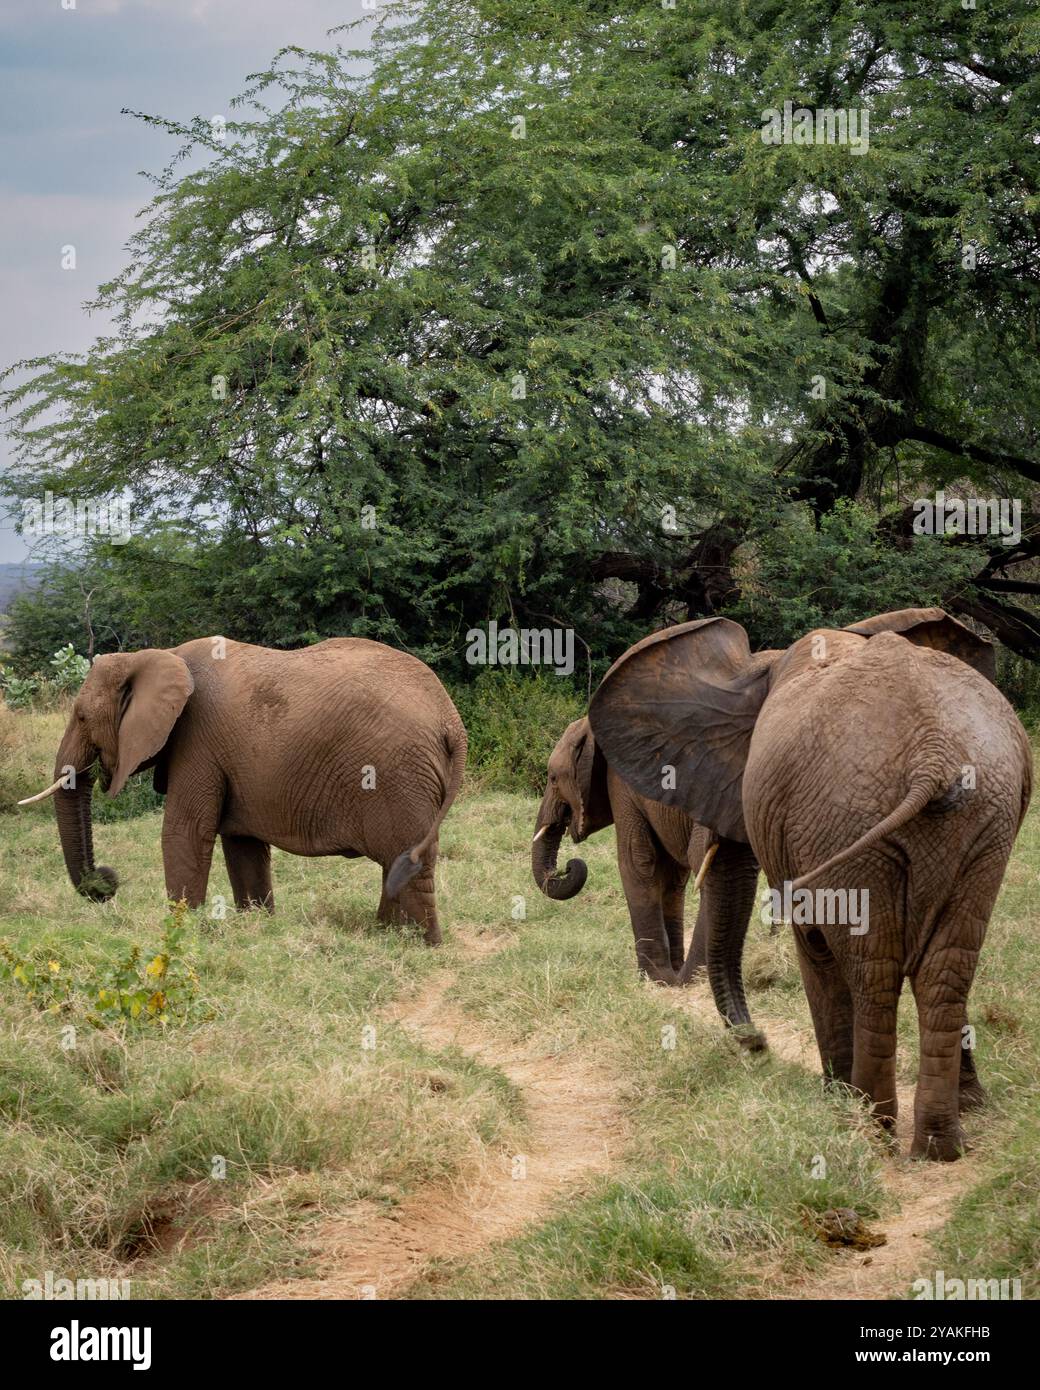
(249, 869)
(830, 1003)
(187, 854)
(673, 905)
(644, 885)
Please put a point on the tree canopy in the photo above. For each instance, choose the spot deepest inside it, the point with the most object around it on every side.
(515, 314)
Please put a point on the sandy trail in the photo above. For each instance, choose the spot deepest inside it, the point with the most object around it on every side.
(924, 1193)
(574, 1130)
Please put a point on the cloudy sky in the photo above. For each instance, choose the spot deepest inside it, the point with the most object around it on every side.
(69, 162)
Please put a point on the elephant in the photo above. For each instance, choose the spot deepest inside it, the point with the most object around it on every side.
(347, 747)
(658, 847)
(878, 759)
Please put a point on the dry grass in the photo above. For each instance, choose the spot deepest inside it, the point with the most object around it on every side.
(107, 1148)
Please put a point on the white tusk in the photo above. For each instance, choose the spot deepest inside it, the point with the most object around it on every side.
(540, 834)
(42, 796)
(702, 872)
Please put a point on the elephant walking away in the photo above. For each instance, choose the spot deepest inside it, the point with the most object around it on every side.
(344, 748)
(878, 761)
(658, 847)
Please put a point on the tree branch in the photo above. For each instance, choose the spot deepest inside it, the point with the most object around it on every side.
(924, 434)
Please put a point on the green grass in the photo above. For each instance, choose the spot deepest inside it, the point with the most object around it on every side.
(107, 1147)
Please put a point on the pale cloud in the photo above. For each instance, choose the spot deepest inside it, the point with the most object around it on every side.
(69, 161)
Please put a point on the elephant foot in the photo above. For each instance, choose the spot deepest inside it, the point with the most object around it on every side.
(971, 1096)
(658, 974)
(943, 1146)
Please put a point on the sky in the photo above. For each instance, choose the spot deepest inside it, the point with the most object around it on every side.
(70, 163)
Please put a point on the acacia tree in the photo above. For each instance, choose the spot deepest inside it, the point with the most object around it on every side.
(519, 315)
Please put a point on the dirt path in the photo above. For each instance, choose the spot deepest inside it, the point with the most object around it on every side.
(575, 1128)
(924, 1193)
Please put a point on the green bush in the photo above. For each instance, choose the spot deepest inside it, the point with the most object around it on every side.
(513, 720)
(1019, 680)
(137, 798)
(152, 990)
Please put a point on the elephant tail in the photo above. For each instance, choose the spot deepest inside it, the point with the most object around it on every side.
(407, 865)
(929, 784)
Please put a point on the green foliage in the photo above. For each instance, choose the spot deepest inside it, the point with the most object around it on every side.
(1019, 679)
(519, 352)
(165, 987)
(65, 673)
(157, 991)
(800, 575)
(513, 721)
(20, 691)
(137, 798)
(69, 670)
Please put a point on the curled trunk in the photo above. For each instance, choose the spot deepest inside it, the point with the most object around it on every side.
(553, 818)
(72, 807)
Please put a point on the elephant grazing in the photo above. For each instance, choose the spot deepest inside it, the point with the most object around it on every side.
(880, 760)
(658, 847)
(347, 747)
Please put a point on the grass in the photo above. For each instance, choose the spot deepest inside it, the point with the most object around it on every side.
(195, 1158)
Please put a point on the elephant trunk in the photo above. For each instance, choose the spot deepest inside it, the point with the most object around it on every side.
(553, 818)
(727, 902)
(72, 806)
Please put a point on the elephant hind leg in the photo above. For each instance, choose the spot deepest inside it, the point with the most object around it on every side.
(249, 868)
(941, 988)
(971, 1092)
(875, 1006)
(415, 902)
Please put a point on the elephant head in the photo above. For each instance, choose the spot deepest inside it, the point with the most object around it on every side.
(121, 719)
(575, 798)
(674, 715)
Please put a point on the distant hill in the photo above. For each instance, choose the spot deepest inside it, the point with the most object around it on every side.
(22, 574)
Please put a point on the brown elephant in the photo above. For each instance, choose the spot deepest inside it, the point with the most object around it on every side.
(880, 760)
(347, 747)
(658, 847)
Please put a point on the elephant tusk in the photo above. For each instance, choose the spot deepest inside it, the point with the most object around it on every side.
(41, 796)
(702, 872)
(540, 834)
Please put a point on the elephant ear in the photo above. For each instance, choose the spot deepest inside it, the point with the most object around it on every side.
(590, 775)
(675, 714)
(932, 627)
(155, 691)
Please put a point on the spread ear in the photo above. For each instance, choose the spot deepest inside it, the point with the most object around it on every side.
(932, 627)
(156, 690)
(675, 714)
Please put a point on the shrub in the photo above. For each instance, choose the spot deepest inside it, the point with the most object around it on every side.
(513, 720)
(69, 668)
(157, 990)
